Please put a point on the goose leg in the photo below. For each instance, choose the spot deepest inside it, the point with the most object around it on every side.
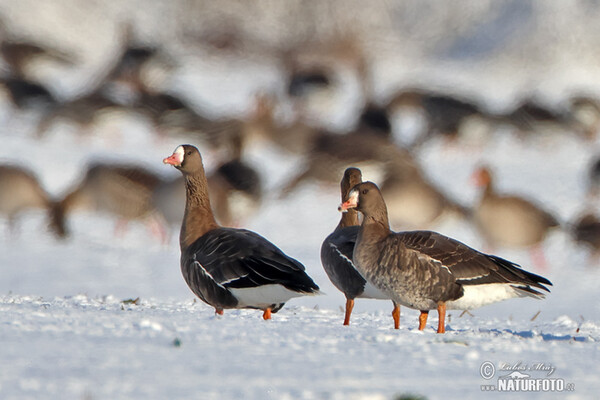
(219, 311)
(349, 307)
(396, 316)
(267, 313)
(441, 317)
(423, 319)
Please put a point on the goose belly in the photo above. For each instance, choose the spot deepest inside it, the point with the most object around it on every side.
(263, 296)
(372, 292)
(481, 295)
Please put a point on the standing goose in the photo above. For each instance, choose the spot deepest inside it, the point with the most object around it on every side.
(336, 255)
(20, 190)
(229, 267)
(122, 190)
(425, 270)
(513, 221)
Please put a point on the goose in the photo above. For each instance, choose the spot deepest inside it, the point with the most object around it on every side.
(123, 190)
(510, 220)
(336, 255)
(230, 267)
(21, 190)
(425, 270)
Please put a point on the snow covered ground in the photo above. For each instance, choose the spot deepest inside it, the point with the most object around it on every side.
(109, 317)
(68, 330)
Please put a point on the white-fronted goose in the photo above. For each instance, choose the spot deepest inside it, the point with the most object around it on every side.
(336, 255)
(506, 220)
(444, 113)
(27, 95)
(20, 190)
(425, 270)
(332, 153)
(81, 111)
(122, 190)
(585, 111)
(235, 190)
(586, 230)
(295, 137)
(593, 179)
(413, 201)
(22, 56)
(228, 267)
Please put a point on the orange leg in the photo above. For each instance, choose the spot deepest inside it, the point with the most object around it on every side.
(423, 319)
(267, 314)
(349, 307)
(441, 317)
(219, 311)
(396, 316)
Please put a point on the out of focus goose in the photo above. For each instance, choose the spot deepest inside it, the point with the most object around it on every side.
(530, 116)
(21, 55)
(414, 201)
(26, 94)
(20, 190)
(593, 181)
(81, 111)
(305, 80)
(443, 113)
(229, 267)
(295, 137)
(336, 255)
(124, 191)
(425, 270)
(171, 115)
(586, 231)
(235, 190)
(332, 153)
(506, 220)
(585, 111)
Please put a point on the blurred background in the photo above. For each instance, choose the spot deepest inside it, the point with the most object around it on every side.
(281, 97)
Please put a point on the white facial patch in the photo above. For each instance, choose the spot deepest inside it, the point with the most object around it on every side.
(179, 153)
(353, 196)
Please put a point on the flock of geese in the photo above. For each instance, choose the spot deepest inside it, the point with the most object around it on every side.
(228, 267)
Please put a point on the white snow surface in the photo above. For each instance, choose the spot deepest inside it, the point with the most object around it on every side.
(66, 333)
(67, 330)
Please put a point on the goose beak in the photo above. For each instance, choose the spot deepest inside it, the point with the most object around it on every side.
(352, 202)
(175, 159)
(172, 160)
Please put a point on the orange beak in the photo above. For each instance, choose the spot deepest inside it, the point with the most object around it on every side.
(173, 160)
(345, 206)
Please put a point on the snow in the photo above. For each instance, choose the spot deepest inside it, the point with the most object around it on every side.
(71, 327)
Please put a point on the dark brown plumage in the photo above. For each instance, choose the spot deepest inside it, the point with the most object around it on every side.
(228, 267)
(425, 270)
(336, 255)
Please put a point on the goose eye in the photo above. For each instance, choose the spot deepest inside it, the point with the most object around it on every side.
(189, 153)
(364, 191)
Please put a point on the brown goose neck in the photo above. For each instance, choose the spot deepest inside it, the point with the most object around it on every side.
(373, 229)
(377, 220)
(198, 218)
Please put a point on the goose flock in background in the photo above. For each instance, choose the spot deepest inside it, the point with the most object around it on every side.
(229, 267)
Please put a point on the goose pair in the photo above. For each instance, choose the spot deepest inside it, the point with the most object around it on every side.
(422, 270)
